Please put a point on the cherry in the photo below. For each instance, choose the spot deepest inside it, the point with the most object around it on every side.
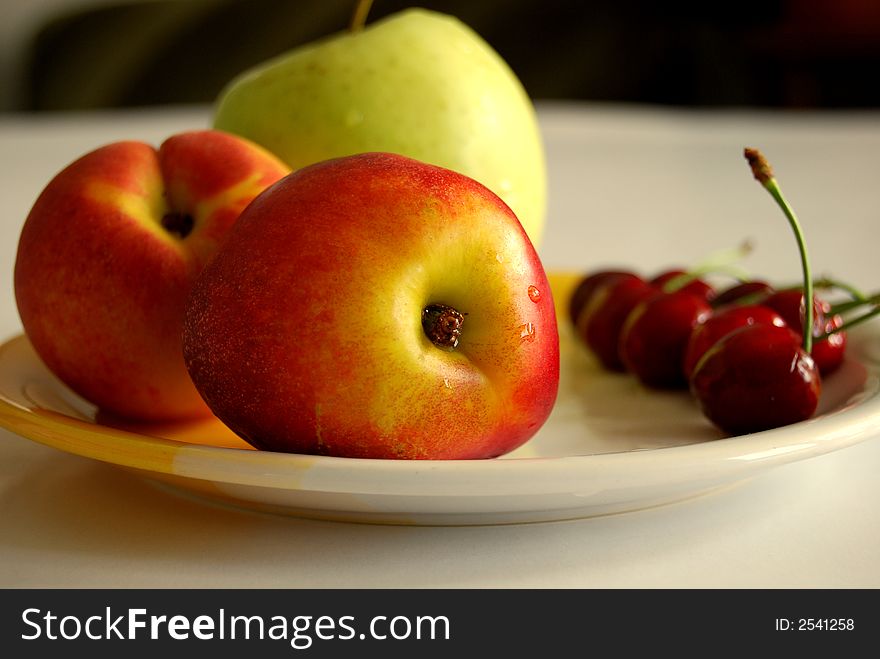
(762, 376)
(600, 322)
(695, 285)
(656, 333)
(828, 353)
(722, 323)
(789, 304)
(756, 378)
(735, 294)
(585, 289)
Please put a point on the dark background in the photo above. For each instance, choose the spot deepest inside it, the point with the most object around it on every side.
(772, 53)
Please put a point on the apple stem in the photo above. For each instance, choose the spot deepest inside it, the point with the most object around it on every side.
(442, 325)
(359, 17)
(764, 175)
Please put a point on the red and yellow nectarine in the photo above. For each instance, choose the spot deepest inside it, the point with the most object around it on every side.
(108, 255)
(375, 306)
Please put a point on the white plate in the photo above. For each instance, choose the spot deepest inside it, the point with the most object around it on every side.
(609, 446)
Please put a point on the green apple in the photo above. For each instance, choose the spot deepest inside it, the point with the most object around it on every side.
(417, 83)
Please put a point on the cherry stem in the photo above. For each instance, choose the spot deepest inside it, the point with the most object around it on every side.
(829, 282)
(359, 17)
(851, 323)
(843, 307)
(764, 175)
(752, 298)
(858, 297)
(718, 262)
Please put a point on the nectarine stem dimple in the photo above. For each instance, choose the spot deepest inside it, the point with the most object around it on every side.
(442, 325)
(179, 224)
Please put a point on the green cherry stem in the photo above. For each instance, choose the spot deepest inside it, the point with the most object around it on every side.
(831, 283)
(858, 320)
(359, 17)
(682, 280)
(720, 262)
(857, 297)
(849, 305)
(764, 175)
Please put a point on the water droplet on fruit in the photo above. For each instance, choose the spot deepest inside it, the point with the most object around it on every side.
(446, 383)
(527, 332)
(534, 293)
(499, 258)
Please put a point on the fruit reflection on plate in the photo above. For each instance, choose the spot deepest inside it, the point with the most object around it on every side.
(609, 446)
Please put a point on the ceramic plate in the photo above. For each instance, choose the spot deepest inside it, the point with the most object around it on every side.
(609, 446)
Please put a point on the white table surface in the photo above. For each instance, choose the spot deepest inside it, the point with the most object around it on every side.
(639, 187)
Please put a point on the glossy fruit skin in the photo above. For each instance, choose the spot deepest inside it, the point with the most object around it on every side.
(756, 290)
(655, 335)
(305, 334)
(697, 287)
(720, 324)
(828, 353)
(600, 323)
(789, 303)
(584, 290)
(100, 280)
(756, 378)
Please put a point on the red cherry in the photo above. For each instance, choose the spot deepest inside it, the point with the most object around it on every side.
(586, 287)
(696, 287)
(722, 323)
(828, 353)
(759, 289)
(600, 322)
(756, 378)
(654, 337)
(790, 305)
